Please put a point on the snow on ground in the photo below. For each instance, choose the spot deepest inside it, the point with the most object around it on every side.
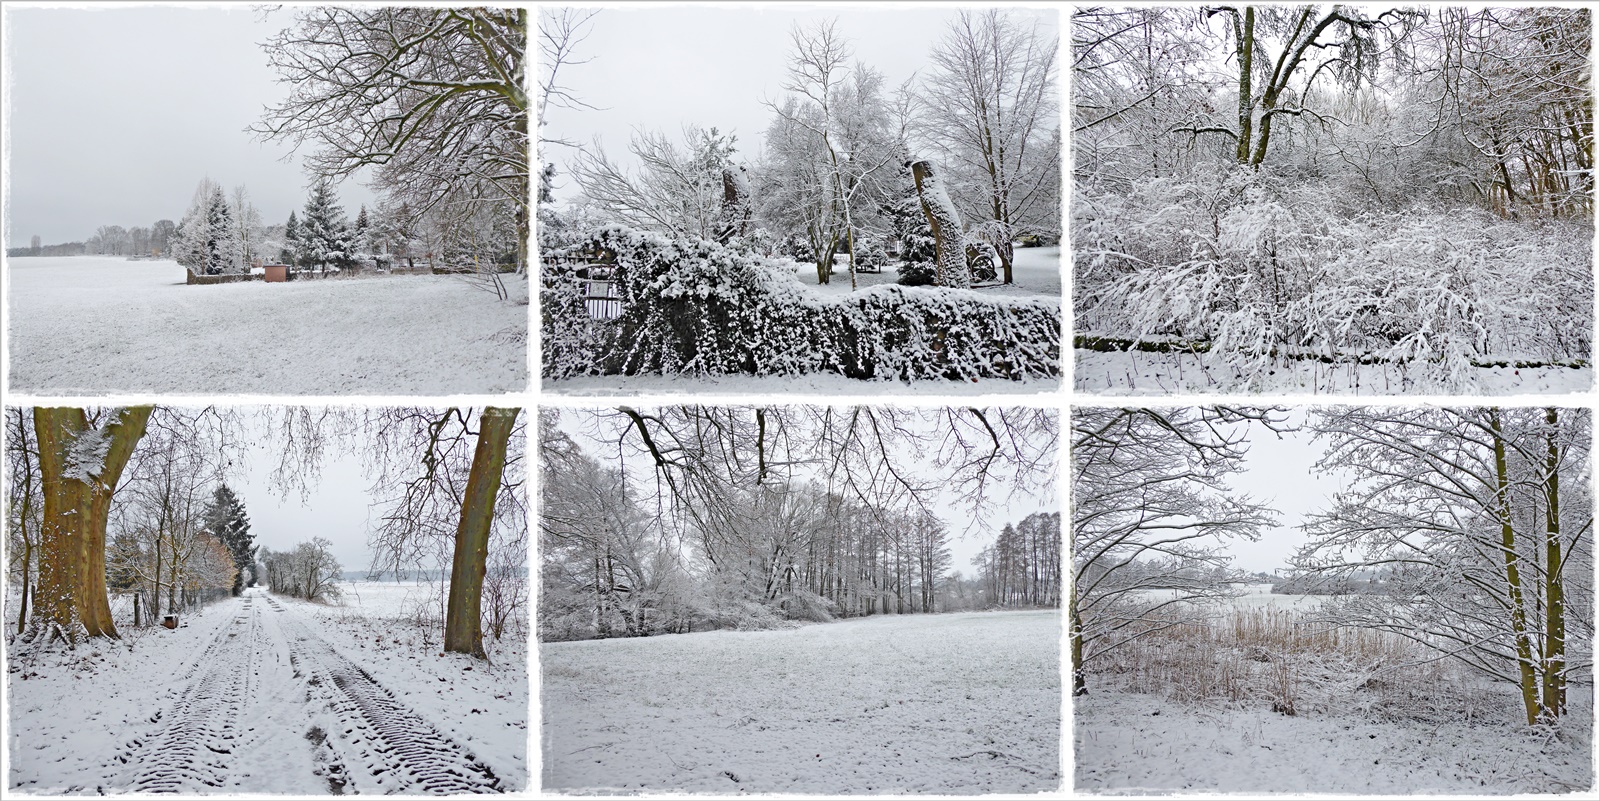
(105, 325)
(953, 704)
(263, 694)
(1134, 373)
(1034, 271)
(1129, 743)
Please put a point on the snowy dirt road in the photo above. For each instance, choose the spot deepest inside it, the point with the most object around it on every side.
(947, 704)
(261, 703)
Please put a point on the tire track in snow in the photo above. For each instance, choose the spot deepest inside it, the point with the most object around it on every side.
(191, 750)
(399, 751)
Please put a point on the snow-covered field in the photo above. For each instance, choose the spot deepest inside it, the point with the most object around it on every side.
(1135, 373)
(105, 325)
(1128, 743)
(263, 694)
(950, 704)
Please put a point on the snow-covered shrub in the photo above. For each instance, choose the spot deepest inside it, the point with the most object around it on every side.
(694, 307)
(917, 273)
(1257, 269)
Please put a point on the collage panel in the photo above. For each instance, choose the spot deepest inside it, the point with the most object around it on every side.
(1364, 600)
(1314, 200)
(248, 600)
(869, 201)
(820, 600)
(311, 200)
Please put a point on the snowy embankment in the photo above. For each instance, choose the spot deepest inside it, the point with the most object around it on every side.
(264, 694)
(1126, 742)
(949, 704)
(1136, 373)
(102, 325)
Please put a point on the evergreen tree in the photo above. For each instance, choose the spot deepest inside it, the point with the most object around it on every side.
(363, 232)
(903, 210)
(324, 233)
(224, 251)
(291, 242)
(225, 518)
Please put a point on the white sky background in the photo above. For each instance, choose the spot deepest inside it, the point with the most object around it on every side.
(1278, 472)
(114, 115)
(967, 536)
(659, 68)
(336, 508)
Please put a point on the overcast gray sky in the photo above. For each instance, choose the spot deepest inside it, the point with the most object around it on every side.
(663, 67)
(1279, 473)
(337, 508)
(114, 115)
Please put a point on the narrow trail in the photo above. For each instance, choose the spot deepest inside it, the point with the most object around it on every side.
(233, 709)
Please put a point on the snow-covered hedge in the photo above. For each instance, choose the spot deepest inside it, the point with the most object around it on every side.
(694, 307)
(1254, 266)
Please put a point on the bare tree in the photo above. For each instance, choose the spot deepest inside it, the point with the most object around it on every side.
(1151, 509)
(1466, 514)
(989, 108)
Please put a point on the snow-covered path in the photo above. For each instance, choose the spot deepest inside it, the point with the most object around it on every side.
(260, 702)
(948, 704)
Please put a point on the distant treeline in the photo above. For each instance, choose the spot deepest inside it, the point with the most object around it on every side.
(1354, 585)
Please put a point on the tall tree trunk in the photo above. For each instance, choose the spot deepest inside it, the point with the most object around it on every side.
(1508, 547)
(79, 470)
(1555, 642)
(1079, 685)
(463, 631)
(1245, 37)
(950, 258)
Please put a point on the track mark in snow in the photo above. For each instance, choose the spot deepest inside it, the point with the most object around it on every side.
(191, 750)
(399, 751)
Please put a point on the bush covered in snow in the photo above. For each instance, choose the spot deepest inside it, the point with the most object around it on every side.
(1252, 266)
(694, 307)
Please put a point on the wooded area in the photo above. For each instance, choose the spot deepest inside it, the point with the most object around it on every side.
(744, 517)
(1401, 185)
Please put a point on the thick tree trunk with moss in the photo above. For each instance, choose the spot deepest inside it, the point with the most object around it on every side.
(79, 468)
(463, 628)
(1508, 547)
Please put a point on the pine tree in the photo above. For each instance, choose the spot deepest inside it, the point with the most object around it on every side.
(903, 210)
(291, 242)
(324, 233)
(225, 518)
(363, 232)
(224, 251)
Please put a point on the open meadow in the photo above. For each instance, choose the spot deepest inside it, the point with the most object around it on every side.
(948, 704)
(100, 325)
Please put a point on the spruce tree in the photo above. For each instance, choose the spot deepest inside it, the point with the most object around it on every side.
(225, 518)
(224, 251)
(324, 233)
(291, 242)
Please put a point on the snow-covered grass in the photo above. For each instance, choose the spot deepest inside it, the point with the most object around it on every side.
(1034, 271)
(1131, 742)
(1136, 373)
(99, 325)
(952, 704)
